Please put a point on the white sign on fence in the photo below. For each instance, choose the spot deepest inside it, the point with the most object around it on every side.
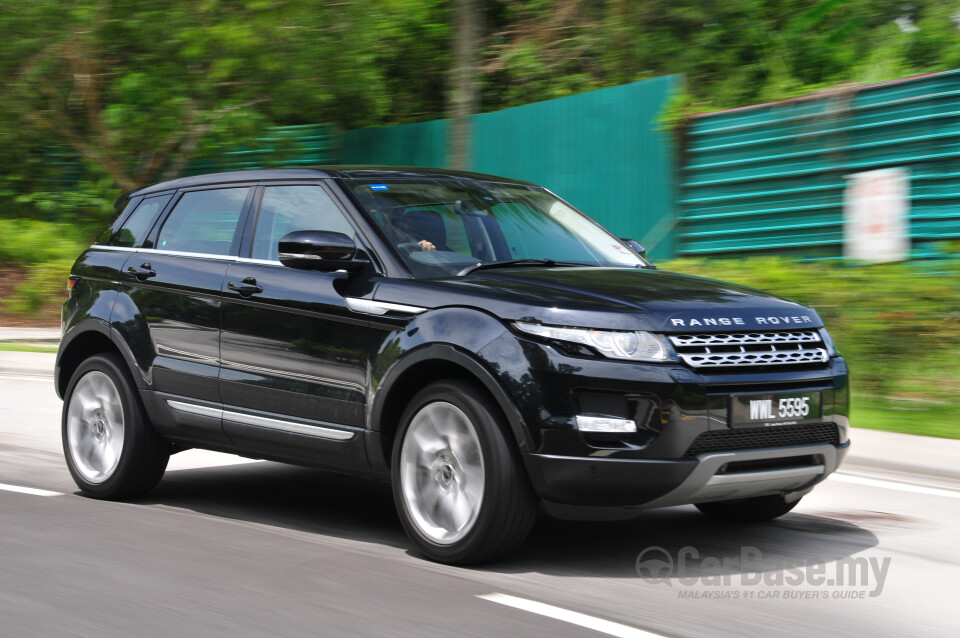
(875, 209)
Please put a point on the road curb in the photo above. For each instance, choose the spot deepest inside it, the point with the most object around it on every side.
(45, 336)
(880, 451)
(32, 364)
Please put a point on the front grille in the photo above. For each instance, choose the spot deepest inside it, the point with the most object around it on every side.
(757, 438)
(734, 349)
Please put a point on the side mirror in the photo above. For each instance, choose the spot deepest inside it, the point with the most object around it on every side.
(635, 246)
(319, 250)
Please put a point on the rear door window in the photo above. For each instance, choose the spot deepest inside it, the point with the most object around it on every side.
(204, 221)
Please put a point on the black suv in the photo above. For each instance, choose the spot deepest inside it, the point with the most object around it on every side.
(475, 340)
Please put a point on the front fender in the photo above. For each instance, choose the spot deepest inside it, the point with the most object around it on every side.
(456, 336)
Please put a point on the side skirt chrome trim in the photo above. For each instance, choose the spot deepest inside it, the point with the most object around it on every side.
(191, 408)
(261, 421)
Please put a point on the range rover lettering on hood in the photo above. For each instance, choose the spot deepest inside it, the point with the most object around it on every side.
(789, 320)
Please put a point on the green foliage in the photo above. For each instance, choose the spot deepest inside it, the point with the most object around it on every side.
(29, 242)
(87, 206)
(909, 417)
(47, 252)
(733, 53)
(898, 325)
(137, 89)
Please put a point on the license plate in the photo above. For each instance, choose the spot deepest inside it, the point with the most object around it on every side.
(752, 410)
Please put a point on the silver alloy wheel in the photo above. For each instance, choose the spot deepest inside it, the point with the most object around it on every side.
(441, 472)
(95, 426)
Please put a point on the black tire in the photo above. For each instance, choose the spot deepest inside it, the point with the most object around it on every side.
(502, 517)
(748, 510)
(138, 459)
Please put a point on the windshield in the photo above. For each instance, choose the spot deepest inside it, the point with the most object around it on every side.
(440, 226)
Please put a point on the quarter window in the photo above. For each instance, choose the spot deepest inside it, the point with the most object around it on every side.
(135, 229)
(286, 209)
(204, 221)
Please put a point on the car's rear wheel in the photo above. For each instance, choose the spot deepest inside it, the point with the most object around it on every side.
(458, 484)
(748, 510)
(111, 449)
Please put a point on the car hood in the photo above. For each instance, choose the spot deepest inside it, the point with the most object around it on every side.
(611, 298)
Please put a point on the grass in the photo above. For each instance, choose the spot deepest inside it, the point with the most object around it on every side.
(914, 417)
(6, 346)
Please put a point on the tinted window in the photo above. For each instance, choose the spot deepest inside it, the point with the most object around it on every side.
(135, 229)
(204, 221)
(288, 208)
(123, 206)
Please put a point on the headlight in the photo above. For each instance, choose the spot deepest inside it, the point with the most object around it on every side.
(828, 342)
(633, 346)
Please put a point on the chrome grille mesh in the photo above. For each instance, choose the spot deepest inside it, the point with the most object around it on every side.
(732, 349)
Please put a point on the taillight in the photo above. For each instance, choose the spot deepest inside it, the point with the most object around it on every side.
(72, 281)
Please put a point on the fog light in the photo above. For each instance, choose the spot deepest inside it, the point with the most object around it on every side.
(605, 424)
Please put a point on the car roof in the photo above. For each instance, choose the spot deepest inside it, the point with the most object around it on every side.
(346, 172)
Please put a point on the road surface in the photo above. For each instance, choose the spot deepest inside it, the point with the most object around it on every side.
(227, 547)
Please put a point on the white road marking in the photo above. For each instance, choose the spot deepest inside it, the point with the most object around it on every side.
(572, 617)
(894, 485)
(28, 490)
(19, 378)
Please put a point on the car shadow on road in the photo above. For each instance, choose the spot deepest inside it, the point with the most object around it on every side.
(286, 496)
(329, 504)
(631, 549)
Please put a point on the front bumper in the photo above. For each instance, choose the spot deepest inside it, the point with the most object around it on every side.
(688, 447)
(648, 483)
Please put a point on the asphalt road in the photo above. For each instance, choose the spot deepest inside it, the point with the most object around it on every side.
(257, 549)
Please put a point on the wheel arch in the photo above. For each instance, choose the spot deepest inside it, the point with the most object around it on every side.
(82, 343)
(418, 369)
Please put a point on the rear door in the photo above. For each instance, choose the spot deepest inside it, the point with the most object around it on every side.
(174, 284)
(293, 379)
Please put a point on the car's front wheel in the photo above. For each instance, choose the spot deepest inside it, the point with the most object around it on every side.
(460, 490)
(749, 510)
(111, 449)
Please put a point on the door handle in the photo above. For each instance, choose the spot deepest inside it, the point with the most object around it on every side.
(245, 288)
(145, 271)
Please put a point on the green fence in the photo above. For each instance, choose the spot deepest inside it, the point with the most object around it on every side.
(770, 178)
(423, 144)
(601, 150)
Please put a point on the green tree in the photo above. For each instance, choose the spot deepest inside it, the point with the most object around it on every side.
(733, 52)
(134, 88)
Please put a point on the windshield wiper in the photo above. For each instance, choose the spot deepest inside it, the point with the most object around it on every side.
(511, 263)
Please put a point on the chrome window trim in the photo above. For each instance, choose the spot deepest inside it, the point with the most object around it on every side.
(157, 251)
(181, 253)
(262, 421)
